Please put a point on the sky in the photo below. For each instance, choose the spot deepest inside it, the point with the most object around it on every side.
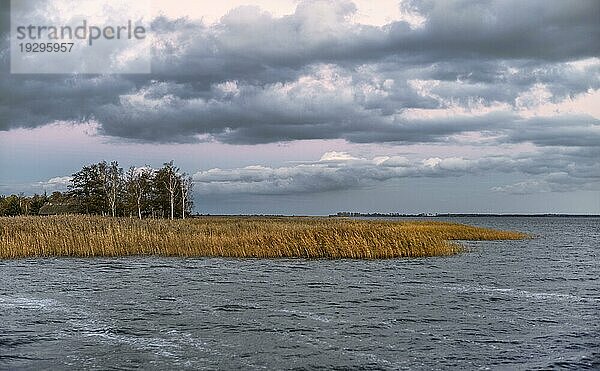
(319, 106)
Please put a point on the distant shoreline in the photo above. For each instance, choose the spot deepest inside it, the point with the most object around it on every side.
(445, 215)
(393, 215)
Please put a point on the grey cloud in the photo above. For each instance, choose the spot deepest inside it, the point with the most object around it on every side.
(555, 182)
(570, 131)
(37, 100)
(319, 176)
(281, 94)
(319, 107)
(320, 31)
(554, 170)
(507, 29)
(525, 187)
(314, 107)
(336, 171)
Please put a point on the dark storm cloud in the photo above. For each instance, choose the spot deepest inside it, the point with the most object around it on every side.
(248, 38)
(311, 108)
(324, 107)
(30, 101)
(505, 29)
(314, 74)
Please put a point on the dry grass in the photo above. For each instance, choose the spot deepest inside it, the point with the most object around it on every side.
(240, 237)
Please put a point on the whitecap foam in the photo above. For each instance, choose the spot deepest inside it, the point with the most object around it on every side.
(27, 302)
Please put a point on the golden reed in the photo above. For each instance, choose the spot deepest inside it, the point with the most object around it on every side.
(239, 237)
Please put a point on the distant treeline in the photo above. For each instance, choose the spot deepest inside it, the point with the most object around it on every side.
(447, 215)
(376, 215)
(105, 189)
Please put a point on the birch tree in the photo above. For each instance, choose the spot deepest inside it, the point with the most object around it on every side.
(186, 189)
(138, 185)
(114, 185)
(167, 181)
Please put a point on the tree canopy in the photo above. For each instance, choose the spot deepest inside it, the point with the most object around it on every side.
(105, 189)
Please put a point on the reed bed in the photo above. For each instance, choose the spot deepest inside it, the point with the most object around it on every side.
(239, 237)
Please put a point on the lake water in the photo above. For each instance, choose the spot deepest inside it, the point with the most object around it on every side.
(532, 304)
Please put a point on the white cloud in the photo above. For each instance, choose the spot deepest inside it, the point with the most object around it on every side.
(60, 180)
(59, 183)
(537, 103)
(337, 156)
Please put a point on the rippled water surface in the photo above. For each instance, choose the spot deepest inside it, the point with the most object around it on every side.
(509, 304)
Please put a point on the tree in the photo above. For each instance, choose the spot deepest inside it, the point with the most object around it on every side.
(104, 189)
(57, 197)
(36, 203)
(168, 181)
(20, 204)
(186, 190)
(88, 187)
(138, 185)
(23, 203)
(11, 206)
(113, 185)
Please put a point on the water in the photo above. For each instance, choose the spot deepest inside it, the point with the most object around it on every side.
(532, 304)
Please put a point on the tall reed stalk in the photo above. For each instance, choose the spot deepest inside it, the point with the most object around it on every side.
(239, 237)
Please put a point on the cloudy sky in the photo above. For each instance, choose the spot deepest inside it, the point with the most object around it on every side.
(314, 107)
